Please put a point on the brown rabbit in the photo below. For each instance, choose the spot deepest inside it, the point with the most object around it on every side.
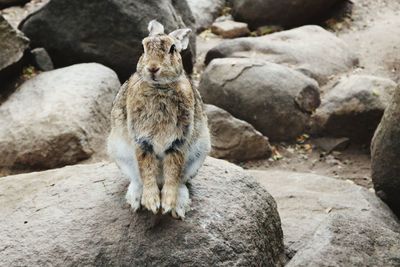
(159, 136)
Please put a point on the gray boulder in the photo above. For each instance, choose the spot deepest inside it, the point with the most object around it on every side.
(286, 13)
(328, 222)
(385, 155)
(12, 49)
(205, 12)
(79, 217)
(354, 107)
(109, 32)
(58, 117)
(234, 139)
(276, 100)
(309, 49)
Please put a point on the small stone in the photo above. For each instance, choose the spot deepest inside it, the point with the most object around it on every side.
(230, 29)
(42, 59)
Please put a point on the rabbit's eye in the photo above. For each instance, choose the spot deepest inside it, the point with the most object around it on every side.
(172, 49)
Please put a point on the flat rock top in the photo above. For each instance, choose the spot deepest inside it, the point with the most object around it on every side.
(78, 216)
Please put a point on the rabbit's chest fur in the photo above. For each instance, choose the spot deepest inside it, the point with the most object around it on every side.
(160, 118)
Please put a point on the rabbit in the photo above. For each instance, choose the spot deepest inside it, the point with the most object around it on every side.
(159, 133)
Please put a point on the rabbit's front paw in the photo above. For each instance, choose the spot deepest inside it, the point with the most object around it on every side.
(151, 198)
(182, 203)
(134, 195)
(169, 195)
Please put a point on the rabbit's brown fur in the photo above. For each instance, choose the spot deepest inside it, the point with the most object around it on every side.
(159, 136)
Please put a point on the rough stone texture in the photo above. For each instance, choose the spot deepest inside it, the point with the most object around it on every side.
(42, 59)
(79, 218)
(109, 32)
(58, 117)
(385, 153)
(235, 139)
(273, 98)
(12, 48)
(205, 11)
(354, 107)
(230, 29)
(287, 13)
(6, 3)
(328, 222)
(309, 49)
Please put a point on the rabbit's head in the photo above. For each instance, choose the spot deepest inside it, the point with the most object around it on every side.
(161, 61)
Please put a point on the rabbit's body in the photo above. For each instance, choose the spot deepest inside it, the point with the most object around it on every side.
(159, 136)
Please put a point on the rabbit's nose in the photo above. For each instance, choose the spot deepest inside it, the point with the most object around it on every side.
(153, 69)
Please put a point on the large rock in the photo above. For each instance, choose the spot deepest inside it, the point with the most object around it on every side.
(354, 107)
(235, 139)
(109, 32)
(12, 48)
(309, 49)
(58, 117)
(385, 152)
(5, 3)
(273, 98)
(78, 216)
(328, 222)
(287, 13)
(205, 11)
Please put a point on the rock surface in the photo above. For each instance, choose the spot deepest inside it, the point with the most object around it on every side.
(273, 98)
(354, 107)
(230, 29)
(328, 222)
(205, 11)
(235, 139)
(58, 117)
(309, 49)
(287, 13)
(109, 32)
(12, 48)
(79, 218)
(385, 154)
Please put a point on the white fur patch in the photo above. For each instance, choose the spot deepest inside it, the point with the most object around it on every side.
(134, 195)
(124, 155)
(182, 203)
(196, 156)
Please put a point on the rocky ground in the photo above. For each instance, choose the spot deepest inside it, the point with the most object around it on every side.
(293, 103)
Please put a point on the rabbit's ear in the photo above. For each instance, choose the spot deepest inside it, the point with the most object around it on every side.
(182, 38)
(155, 28)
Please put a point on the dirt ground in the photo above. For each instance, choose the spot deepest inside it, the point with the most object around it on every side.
(353, 164)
